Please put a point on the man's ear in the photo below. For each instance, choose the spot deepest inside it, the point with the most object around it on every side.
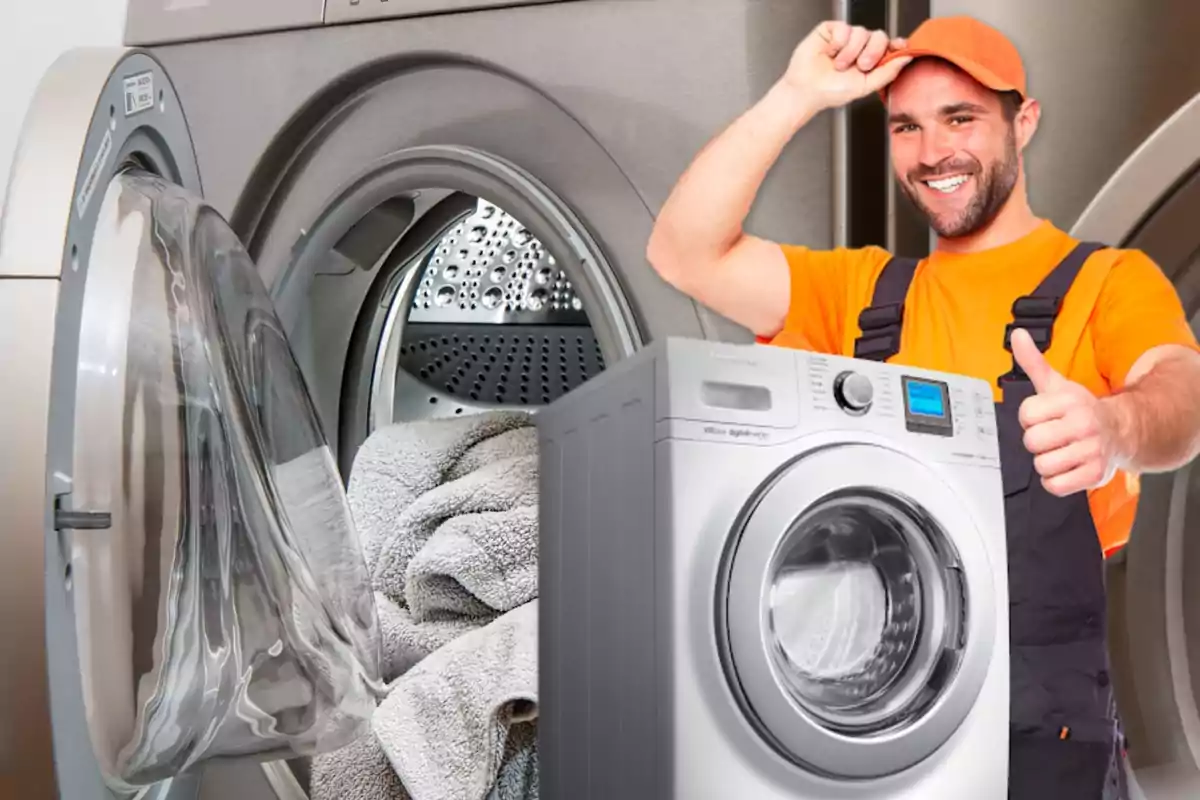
(1026, 122)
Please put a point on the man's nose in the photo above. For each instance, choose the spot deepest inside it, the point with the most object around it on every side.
(935, 147)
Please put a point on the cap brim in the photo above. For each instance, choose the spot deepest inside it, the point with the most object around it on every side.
(976, 70)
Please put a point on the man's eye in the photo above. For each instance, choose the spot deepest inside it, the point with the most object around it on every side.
(960, 120)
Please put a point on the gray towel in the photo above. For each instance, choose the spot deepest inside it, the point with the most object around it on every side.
(483, 557)
(397, 464)
(406, 641)
(518, 778)
(359, 771)
(447, 510)
(445, 727)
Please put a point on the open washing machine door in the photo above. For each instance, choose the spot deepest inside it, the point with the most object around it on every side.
(857, 615)
(168, 487)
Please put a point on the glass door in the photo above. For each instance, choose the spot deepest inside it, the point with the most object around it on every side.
(180, 563)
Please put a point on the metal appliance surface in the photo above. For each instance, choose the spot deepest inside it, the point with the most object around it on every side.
(796, 626)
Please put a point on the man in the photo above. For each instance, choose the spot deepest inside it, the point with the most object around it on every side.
(1118, 388)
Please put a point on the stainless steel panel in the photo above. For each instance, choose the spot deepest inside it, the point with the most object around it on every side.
(623, 71)
(27, 308)
(1106, 75)
(1145, 180)
(157, 21)
(358, 10)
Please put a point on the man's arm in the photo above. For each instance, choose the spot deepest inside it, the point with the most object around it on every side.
(1156, 415)
(698, 244)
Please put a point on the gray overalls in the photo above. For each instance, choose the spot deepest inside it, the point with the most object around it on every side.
(1062, 729)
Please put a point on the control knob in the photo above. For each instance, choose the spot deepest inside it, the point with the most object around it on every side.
(853, 392)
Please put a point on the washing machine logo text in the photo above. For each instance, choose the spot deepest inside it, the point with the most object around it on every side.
(735, 433)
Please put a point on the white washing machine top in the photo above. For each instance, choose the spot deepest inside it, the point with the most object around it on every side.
(767, 395)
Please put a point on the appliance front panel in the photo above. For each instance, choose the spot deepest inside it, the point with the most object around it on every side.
(891, 663)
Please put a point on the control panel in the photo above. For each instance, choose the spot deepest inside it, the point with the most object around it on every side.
(887, 398)
(763, 395)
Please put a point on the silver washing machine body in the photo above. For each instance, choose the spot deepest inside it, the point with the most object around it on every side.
(446, 207)
(778, 575)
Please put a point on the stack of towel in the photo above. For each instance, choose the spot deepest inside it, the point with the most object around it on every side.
(447, 511)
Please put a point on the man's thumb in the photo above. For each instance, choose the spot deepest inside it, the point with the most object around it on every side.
(1031, 360)
(882, 76)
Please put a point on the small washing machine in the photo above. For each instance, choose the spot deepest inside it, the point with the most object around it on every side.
(772, 574)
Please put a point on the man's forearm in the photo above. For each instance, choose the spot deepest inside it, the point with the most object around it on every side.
(704, 214)
(1157, 416)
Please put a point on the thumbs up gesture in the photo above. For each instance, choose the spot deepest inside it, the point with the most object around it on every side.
(1067, 429)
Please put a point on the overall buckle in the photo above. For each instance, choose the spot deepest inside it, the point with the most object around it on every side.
(1036, 315)
(881, 327)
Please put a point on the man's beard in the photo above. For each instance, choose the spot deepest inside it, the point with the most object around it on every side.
(993, 188)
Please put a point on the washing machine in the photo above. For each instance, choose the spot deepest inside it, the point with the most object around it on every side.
(300, 222)
(777, 575)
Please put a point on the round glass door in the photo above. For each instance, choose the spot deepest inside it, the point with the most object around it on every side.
(857, 620)
(221, 601)
(851, 588)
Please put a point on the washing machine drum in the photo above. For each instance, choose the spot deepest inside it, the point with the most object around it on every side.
(846, 612)
(221, 602)
(857, 619)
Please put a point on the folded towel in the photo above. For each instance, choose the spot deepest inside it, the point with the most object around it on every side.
(448, 510)
(399, 463)
(445, 727)
(482, 556)
(406, 641)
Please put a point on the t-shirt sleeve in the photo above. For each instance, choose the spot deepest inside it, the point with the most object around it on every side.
(1137, 309)
(822, 282)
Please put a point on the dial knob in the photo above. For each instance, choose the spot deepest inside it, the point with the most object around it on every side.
(853, 392)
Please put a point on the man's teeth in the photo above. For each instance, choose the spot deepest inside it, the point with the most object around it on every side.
(947, 184)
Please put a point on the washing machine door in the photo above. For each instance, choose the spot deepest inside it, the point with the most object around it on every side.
(181, 577)
(858, 612)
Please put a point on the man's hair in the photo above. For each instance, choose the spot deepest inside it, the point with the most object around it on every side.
(1010, 104)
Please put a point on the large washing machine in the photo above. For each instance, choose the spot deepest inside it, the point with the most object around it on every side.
(447, 203)
(778, 575)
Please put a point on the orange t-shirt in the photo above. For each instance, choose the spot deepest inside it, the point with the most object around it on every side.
(1119, 306)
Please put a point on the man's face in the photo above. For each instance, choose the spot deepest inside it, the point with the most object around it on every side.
(954, 153)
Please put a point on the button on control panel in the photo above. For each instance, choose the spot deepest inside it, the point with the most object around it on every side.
(853, 392)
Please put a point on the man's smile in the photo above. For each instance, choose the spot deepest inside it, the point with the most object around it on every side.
(946, 184)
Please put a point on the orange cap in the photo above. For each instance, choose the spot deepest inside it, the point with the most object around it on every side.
(978, 49)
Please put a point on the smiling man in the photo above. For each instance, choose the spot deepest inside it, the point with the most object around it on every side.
(1095, 371)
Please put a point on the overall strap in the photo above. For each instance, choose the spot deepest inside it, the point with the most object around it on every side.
(1036, 312)
(882, 321)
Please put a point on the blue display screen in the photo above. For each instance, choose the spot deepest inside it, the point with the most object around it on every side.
(925, 399)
